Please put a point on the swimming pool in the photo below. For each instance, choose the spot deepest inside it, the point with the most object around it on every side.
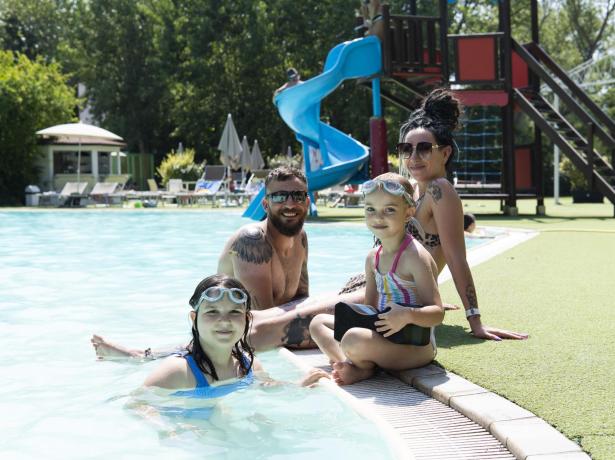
(128, 275)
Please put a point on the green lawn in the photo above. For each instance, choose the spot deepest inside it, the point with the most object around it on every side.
(559, 287)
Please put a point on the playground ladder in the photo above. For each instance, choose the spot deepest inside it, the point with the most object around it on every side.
(578, 147)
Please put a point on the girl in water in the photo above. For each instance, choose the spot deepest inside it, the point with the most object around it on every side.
(219, 360)
(398, 272)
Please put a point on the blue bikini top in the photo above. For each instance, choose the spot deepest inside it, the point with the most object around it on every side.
(204, 390)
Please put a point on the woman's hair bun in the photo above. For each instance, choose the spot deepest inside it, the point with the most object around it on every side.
(442, 105)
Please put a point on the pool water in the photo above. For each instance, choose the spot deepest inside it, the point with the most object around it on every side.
(128, 275)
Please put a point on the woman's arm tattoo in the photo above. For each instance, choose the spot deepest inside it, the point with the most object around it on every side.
(471, 295)
(435, 191)
(252, 246)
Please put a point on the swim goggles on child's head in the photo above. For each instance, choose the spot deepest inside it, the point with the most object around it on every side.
(215, 293)
(389, 186)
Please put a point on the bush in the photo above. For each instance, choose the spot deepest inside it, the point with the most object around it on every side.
(178, 165)
(577, 179)
(33, 96)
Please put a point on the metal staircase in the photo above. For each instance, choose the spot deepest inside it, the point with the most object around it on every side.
(579, 147)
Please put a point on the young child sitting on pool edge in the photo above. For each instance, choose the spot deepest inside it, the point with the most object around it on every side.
(220, 360)
(398, 271)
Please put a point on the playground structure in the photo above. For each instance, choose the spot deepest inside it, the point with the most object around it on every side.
(486, 70)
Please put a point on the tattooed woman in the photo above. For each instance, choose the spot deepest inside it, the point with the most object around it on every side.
(426, 151)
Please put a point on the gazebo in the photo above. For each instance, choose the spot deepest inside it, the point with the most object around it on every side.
(76, 152)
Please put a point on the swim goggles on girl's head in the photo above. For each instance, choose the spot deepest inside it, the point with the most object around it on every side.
(389, 186)
(215, 293)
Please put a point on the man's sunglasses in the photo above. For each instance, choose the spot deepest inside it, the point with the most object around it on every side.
(297, 196)
(423, 149)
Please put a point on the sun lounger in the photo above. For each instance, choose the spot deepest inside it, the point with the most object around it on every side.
(103, 191)
(70, 196)
(207, 190)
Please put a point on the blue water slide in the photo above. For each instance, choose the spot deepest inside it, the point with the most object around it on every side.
(330, 156)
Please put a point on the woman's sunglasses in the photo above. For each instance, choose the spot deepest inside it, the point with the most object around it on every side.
(215, 293)
(389, 186)
(297, 196)
(423, 149)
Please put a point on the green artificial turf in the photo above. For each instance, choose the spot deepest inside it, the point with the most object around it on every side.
(560, 288)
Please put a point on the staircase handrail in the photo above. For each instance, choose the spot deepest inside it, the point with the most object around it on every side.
(535, 66)
(541, 54)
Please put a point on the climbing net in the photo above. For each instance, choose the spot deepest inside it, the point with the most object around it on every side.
(480, 147)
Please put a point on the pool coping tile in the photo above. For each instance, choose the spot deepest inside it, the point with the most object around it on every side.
(445, 386)
(533, 437)
(525, 435)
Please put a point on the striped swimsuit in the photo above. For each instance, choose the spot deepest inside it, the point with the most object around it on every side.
(392, 288)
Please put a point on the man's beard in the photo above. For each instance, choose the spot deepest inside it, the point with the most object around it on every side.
(284, 228)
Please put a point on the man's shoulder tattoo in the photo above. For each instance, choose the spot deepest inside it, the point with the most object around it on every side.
(304, 240)
(251, 245)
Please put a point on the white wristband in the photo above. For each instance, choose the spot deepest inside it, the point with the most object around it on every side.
(472, 312)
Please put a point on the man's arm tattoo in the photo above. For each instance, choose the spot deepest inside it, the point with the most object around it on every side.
(297, 333)
(471, 295)
(252, 246)
(435, 191)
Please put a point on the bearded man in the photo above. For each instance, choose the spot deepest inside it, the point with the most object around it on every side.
(270, 259)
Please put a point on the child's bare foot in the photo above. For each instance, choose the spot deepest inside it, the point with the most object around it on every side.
(346, 373)
(108, 350)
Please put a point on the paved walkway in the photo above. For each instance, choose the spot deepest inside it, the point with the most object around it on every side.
(441, 416)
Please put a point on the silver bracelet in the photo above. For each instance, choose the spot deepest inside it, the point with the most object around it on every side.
(472, 312)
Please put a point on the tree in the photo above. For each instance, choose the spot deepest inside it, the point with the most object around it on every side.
(33, 96)
(128, 82)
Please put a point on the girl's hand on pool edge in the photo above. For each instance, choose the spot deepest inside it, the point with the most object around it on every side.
(493, 333)
(312, 377)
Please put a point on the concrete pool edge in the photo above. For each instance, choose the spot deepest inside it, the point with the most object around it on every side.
(499, 244)
(394, 441)
(523, 433)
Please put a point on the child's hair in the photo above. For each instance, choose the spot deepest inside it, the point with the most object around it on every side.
(396, 178)
(200, 355)
(405, 183)
(438, 114)
(468, 219)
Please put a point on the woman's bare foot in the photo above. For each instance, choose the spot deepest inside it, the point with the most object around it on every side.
(346, 373)
(108, 350)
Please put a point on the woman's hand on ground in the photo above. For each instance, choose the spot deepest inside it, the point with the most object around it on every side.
(393, 320)
(451, 306)
(493, 333)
